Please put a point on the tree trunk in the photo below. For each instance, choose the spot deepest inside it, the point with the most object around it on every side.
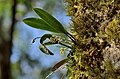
(96, 27)
(6, 48)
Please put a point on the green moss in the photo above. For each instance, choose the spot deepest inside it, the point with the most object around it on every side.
(95, 24)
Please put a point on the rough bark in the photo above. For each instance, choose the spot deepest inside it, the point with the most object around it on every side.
(96, 27)
(6, 47)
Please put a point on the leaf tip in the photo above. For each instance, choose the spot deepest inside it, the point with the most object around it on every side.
(24, 20)
(36, 9)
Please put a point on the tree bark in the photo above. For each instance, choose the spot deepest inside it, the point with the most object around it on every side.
(6, 48)
(96, 27)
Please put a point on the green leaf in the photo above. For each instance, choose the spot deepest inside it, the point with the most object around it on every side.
(54, 23)
(45, 50)
(44, 37)
(60, 63)
(39, 24)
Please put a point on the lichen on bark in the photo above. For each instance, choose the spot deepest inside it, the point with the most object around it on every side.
(96, 28)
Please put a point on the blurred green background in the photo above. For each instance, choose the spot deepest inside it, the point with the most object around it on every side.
(27, 61)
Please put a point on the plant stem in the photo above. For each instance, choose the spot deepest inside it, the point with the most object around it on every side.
(71, 37)
(65, 45)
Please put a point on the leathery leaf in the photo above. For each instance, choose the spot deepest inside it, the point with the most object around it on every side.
(60, 63)
(39, 24)
(53, 22)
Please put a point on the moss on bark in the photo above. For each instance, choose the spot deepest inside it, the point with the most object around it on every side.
(96, 28)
